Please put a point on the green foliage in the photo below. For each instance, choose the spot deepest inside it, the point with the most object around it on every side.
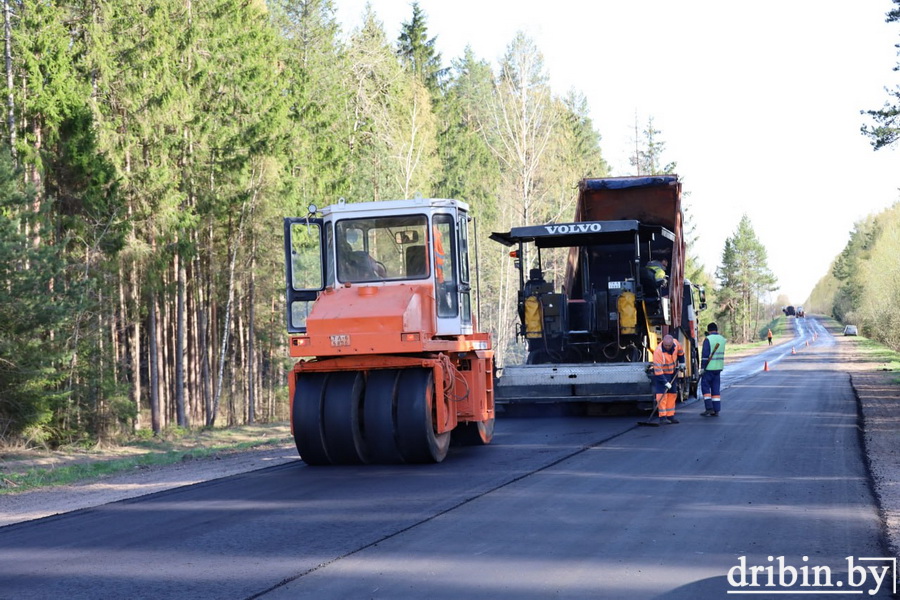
(846, 268)
(821, 299)
(886, 129)
(648, 152)
(470, 171)
(417, 52)
(319, 130)
(394, 140)
(34, 304)
(869, 292)
(744, 278)
(50, 88)
(159, 452)
(164, 140)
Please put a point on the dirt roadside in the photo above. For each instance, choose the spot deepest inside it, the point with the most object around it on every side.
(878, 397)
(879, 409)
(142, 480)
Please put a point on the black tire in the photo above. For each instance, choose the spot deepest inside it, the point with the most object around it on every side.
(380, 411)
(416, 439)
(478, 433)
(309, 433)
(342, 418)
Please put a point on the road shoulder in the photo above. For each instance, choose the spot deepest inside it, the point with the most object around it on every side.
(878, 398)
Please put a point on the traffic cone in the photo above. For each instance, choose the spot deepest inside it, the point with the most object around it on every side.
(807, 343)
(793, 351)
(766, 366)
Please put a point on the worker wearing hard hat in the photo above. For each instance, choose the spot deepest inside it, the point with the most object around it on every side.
(668, 360)
(712, 361)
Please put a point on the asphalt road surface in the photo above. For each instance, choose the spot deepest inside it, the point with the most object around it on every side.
(771, 499)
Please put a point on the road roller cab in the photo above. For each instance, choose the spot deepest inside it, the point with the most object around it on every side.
(379, 305)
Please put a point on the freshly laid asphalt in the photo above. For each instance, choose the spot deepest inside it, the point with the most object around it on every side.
(556, 507)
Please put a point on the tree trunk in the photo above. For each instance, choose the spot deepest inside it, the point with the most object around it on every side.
(251, 337)
(155, 420)
(135, 343)
(10, 101)
(180, 415)
(162, 343)
(229, 307)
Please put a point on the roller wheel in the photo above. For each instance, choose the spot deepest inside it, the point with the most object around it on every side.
(342, 416)
(416, 439)
(309, 433)
(380, 409)
(478, 433)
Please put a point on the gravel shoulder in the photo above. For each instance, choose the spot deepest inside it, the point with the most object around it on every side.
(878, 395)
(45, 502)
(879, 408)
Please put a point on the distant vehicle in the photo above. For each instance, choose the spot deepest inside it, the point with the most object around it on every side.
(800, 312)
(851, 330)
(789, 311)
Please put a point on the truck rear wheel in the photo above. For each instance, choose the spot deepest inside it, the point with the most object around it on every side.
(309, 433)
(416, 437)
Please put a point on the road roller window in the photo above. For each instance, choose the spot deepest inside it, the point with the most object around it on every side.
(381, 248)
(306, 261)
(445, 267)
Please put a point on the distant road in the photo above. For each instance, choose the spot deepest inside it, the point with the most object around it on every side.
(554, 508)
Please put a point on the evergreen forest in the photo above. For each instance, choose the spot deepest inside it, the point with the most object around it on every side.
(150, 151)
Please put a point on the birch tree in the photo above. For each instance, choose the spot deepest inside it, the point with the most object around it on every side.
(520, 123)
(394, 129)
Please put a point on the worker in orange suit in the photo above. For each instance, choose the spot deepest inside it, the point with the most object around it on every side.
(668, 360)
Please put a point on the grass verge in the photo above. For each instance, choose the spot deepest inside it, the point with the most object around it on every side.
(23, 470)
(875, 352)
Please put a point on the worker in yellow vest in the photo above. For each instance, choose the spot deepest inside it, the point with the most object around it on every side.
(712, 361)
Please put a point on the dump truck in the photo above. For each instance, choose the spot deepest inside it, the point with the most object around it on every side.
(380, 314)
(590, 337)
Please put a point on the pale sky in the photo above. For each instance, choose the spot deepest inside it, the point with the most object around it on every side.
(758, 103)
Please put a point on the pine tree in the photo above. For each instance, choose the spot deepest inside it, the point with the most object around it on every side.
(648, 151)
(886, 130)
(744, 278)
(470, 170)
(319, 128)
(31, 307)
(418, 53)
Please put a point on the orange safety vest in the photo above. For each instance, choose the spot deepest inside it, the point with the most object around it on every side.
(664, 363)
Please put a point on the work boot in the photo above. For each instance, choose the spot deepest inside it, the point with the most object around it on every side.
(663, 421)
(673, 420)
(714, 414)
(706, 413)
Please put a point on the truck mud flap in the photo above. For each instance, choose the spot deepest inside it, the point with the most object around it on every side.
(554, 383)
